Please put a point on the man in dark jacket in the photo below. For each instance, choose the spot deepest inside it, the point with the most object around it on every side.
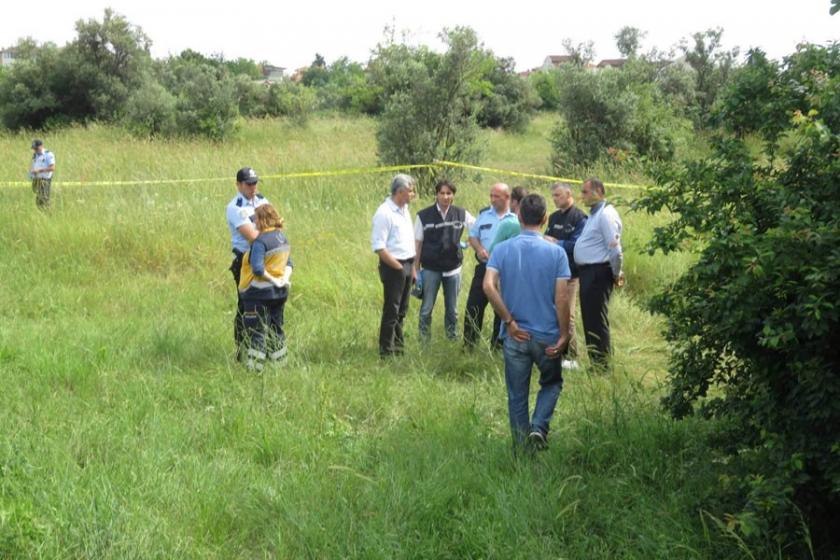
(564, 228)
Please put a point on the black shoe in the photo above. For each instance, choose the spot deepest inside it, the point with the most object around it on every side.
(536, 441)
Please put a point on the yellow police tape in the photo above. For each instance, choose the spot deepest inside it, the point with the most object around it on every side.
(532, 175)
(335, 173)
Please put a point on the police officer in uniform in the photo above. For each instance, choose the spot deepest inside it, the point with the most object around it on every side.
(482, 234)
(240, 220)
(41, 172)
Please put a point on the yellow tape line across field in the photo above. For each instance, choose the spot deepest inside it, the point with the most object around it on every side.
(532, 175)
(334, 173)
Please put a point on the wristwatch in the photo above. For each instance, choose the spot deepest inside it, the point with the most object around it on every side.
(509, 321)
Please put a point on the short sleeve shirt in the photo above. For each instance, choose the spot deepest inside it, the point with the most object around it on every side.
(529, 267)
(486, 224)
(239, 212)
(40, 161)
(393, 231)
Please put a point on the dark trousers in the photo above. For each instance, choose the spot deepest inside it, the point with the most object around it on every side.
(396, 287)
(41, 188)
(596, 285)
(474, 315)
(264, 336)
(238, 321)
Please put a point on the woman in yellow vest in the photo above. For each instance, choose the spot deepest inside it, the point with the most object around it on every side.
(264, 289)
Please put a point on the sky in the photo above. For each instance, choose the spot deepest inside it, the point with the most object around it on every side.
(288, 34)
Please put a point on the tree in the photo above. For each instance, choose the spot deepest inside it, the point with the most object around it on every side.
(712, 66)
(27, 89)
(581, 53)
(629, 40)
(206, 97)
(605, 115)
(755, 100)
(507, 100)
(434, 118)
(102, 66)
(753, 324)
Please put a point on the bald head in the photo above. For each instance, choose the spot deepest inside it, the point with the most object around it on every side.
(500, 197)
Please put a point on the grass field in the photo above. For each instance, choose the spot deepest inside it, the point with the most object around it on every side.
(128, 430)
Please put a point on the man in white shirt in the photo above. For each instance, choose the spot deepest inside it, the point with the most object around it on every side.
(599, 259)
(392, 240)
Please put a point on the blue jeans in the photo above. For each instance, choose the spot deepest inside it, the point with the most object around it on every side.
(520, 357)
(451, 286)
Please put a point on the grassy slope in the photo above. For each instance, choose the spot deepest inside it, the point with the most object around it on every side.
(128, 431)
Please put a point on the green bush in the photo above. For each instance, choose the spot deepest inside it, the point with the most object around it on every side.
(435, 118)
(611, 115)
(288, 99)
(206, 100)
(151, 111)
(507, 101)
(754, 324)
(27, 95)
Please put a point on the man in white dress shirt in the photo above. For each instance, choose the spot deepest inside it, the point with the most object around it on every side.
(599, 259)
(392, 240)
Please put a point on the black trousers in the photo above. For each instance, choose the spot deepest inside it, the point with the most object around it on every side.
(596, 285)
(396, 287)
(474, 315)
(264, 327)
(238, 321)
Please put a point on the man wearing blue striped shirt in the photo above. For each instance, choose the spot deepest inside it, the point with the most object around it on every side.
(599, 259)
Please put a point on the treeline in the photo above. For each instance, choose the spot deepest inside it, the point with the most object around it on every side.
(107, 74)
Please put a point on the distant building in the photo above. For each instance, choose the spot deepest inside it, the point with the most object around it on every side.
(272, 73)
(297, 75)
(556, 60)
(612, 63)
(8, 56)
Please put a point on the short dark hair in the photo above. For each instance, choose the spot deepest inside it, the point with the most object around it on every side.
(596, 185)
(532, 210)
(445, 183)
(518, 193)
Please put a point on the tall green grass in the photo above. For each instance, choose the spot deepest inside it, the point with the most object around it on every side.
(130, 432)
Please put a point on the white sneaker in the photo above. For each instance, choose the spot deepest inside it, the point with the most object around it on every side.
(570, 364)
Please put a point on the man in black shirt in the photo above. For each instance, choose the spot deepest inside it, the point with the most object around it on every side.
(564, 228)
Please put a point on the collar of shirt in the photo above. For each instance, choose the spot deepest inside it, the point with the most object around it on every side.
(441, 212)
(393, 206)
(594, 209)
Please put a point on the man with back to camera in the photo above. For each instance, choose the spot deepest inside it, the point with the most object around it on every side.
(240, 220)
(564, 227)
(482, 233)
(599, 259)
(526, 284)
(41, 172)
(392, 239)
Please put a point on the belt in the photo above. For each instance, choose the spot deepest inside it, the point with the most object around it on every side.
(406, 261)
(592, 265)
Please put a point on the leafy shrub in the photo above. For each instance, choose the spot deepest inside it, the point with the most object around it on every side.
(288, 99)
(507, 101)
(547, 87)
(151, 111)
(436, 117)
(27, 96)
(206, 100)
(754, 324)
(605, 114)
